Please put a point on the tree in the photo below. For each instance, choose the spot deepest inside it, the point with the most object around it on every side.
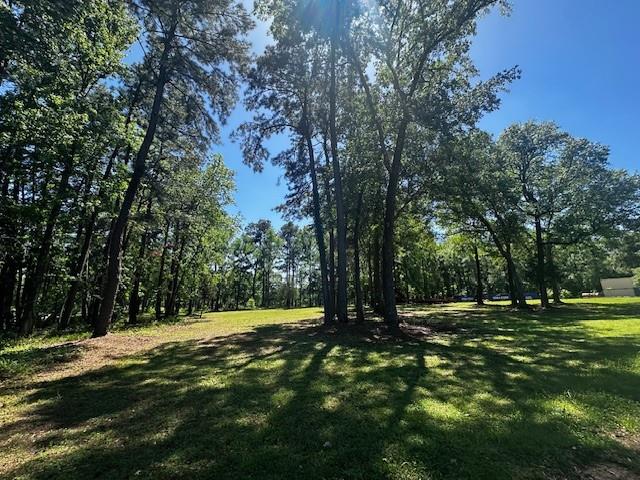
(283, 91)
(567, 190)
(530, 150)
(62, 118)
(194, 47)
(486, 201)
(423, 66)
(288, 234)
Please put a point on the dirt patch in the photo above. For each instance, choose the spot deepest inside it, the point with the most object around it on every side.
(606, 471)
(627, 440)
(95, 353)
(610, 470)
(77, 357)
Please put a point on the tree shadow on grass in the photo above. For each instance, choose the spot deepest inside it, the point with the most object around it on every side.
(29, 361)
(499, 398)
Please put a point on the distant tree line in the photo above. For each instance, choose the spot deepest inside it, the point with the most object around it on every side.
(112, 204)
(264, 268)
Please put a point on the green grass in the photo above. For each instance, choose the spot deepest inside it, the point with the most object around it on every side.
(46, 348)
(480, 393)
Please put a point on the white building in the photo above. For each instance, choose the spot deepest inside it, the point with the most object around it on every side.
(617, 287)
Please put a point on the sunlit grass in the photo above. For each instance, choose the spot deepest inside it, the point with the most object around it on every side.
(489, 393)
(22, 356)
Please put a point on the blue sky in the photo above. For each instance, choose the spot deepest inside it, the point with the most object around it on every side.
(580, 62)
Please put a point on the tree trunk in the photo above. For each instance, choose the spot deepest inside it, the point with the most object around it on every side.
(169, 287)
(89, 228)
(12, 259)
(319, 231)
(84, 306)
(160, 283)
(515, 284)
(76, 272)
(341, 306)
(112, 274)
(171, 306)
(356, 262)
(8, 282)
(332, 269)
(542, 283)
(79, 265)
(426, 290)
(388, 233)
(253, 282)
(518, 289)
(553, 271)
(293, 282)
(263, 300)
(479, 293)
(268, 288)
(407, 291)
(512, 288)
(332, 256)
(134, 298)
(288, 280)
(372, 298)
(34, 280)
(378, 305)
(19, 291)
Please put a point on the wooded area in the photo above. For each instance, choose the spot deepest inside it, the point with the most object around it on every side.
(423, 304)
(114, 202)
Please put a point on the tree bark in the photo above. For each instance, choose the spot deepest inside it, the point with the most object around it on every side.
(479, 289)
(134, 298)
(378, 305)
(8, 282)
(341, 306)
(318, 228)
(542, 284)
(171, 307)
(160, 282)
(76, 272)
(512, 288)
(12, 258)
(388, 234)
(356, 262)
(112, 276)
(553, 272)
(518, 290)
(89, 228)
(370, 290)
(253, 282)
(332, 270)
(288, 278)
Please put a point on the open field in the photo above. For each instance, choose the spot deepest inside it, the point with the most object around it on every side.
(465, 392)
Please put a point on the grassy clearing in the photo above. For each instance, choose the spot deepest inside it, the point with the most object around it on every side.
(47, 348)
(471, 393)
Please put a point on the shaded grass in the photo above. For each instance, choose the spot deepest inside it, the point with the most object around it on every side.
(48, 347)
(489, 393)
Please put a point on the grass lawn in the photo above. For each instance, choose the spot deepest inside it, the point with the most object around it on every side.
(464, 393)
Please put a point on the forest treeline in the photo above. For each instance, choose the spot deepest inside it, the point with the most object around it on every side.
(114, 202)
